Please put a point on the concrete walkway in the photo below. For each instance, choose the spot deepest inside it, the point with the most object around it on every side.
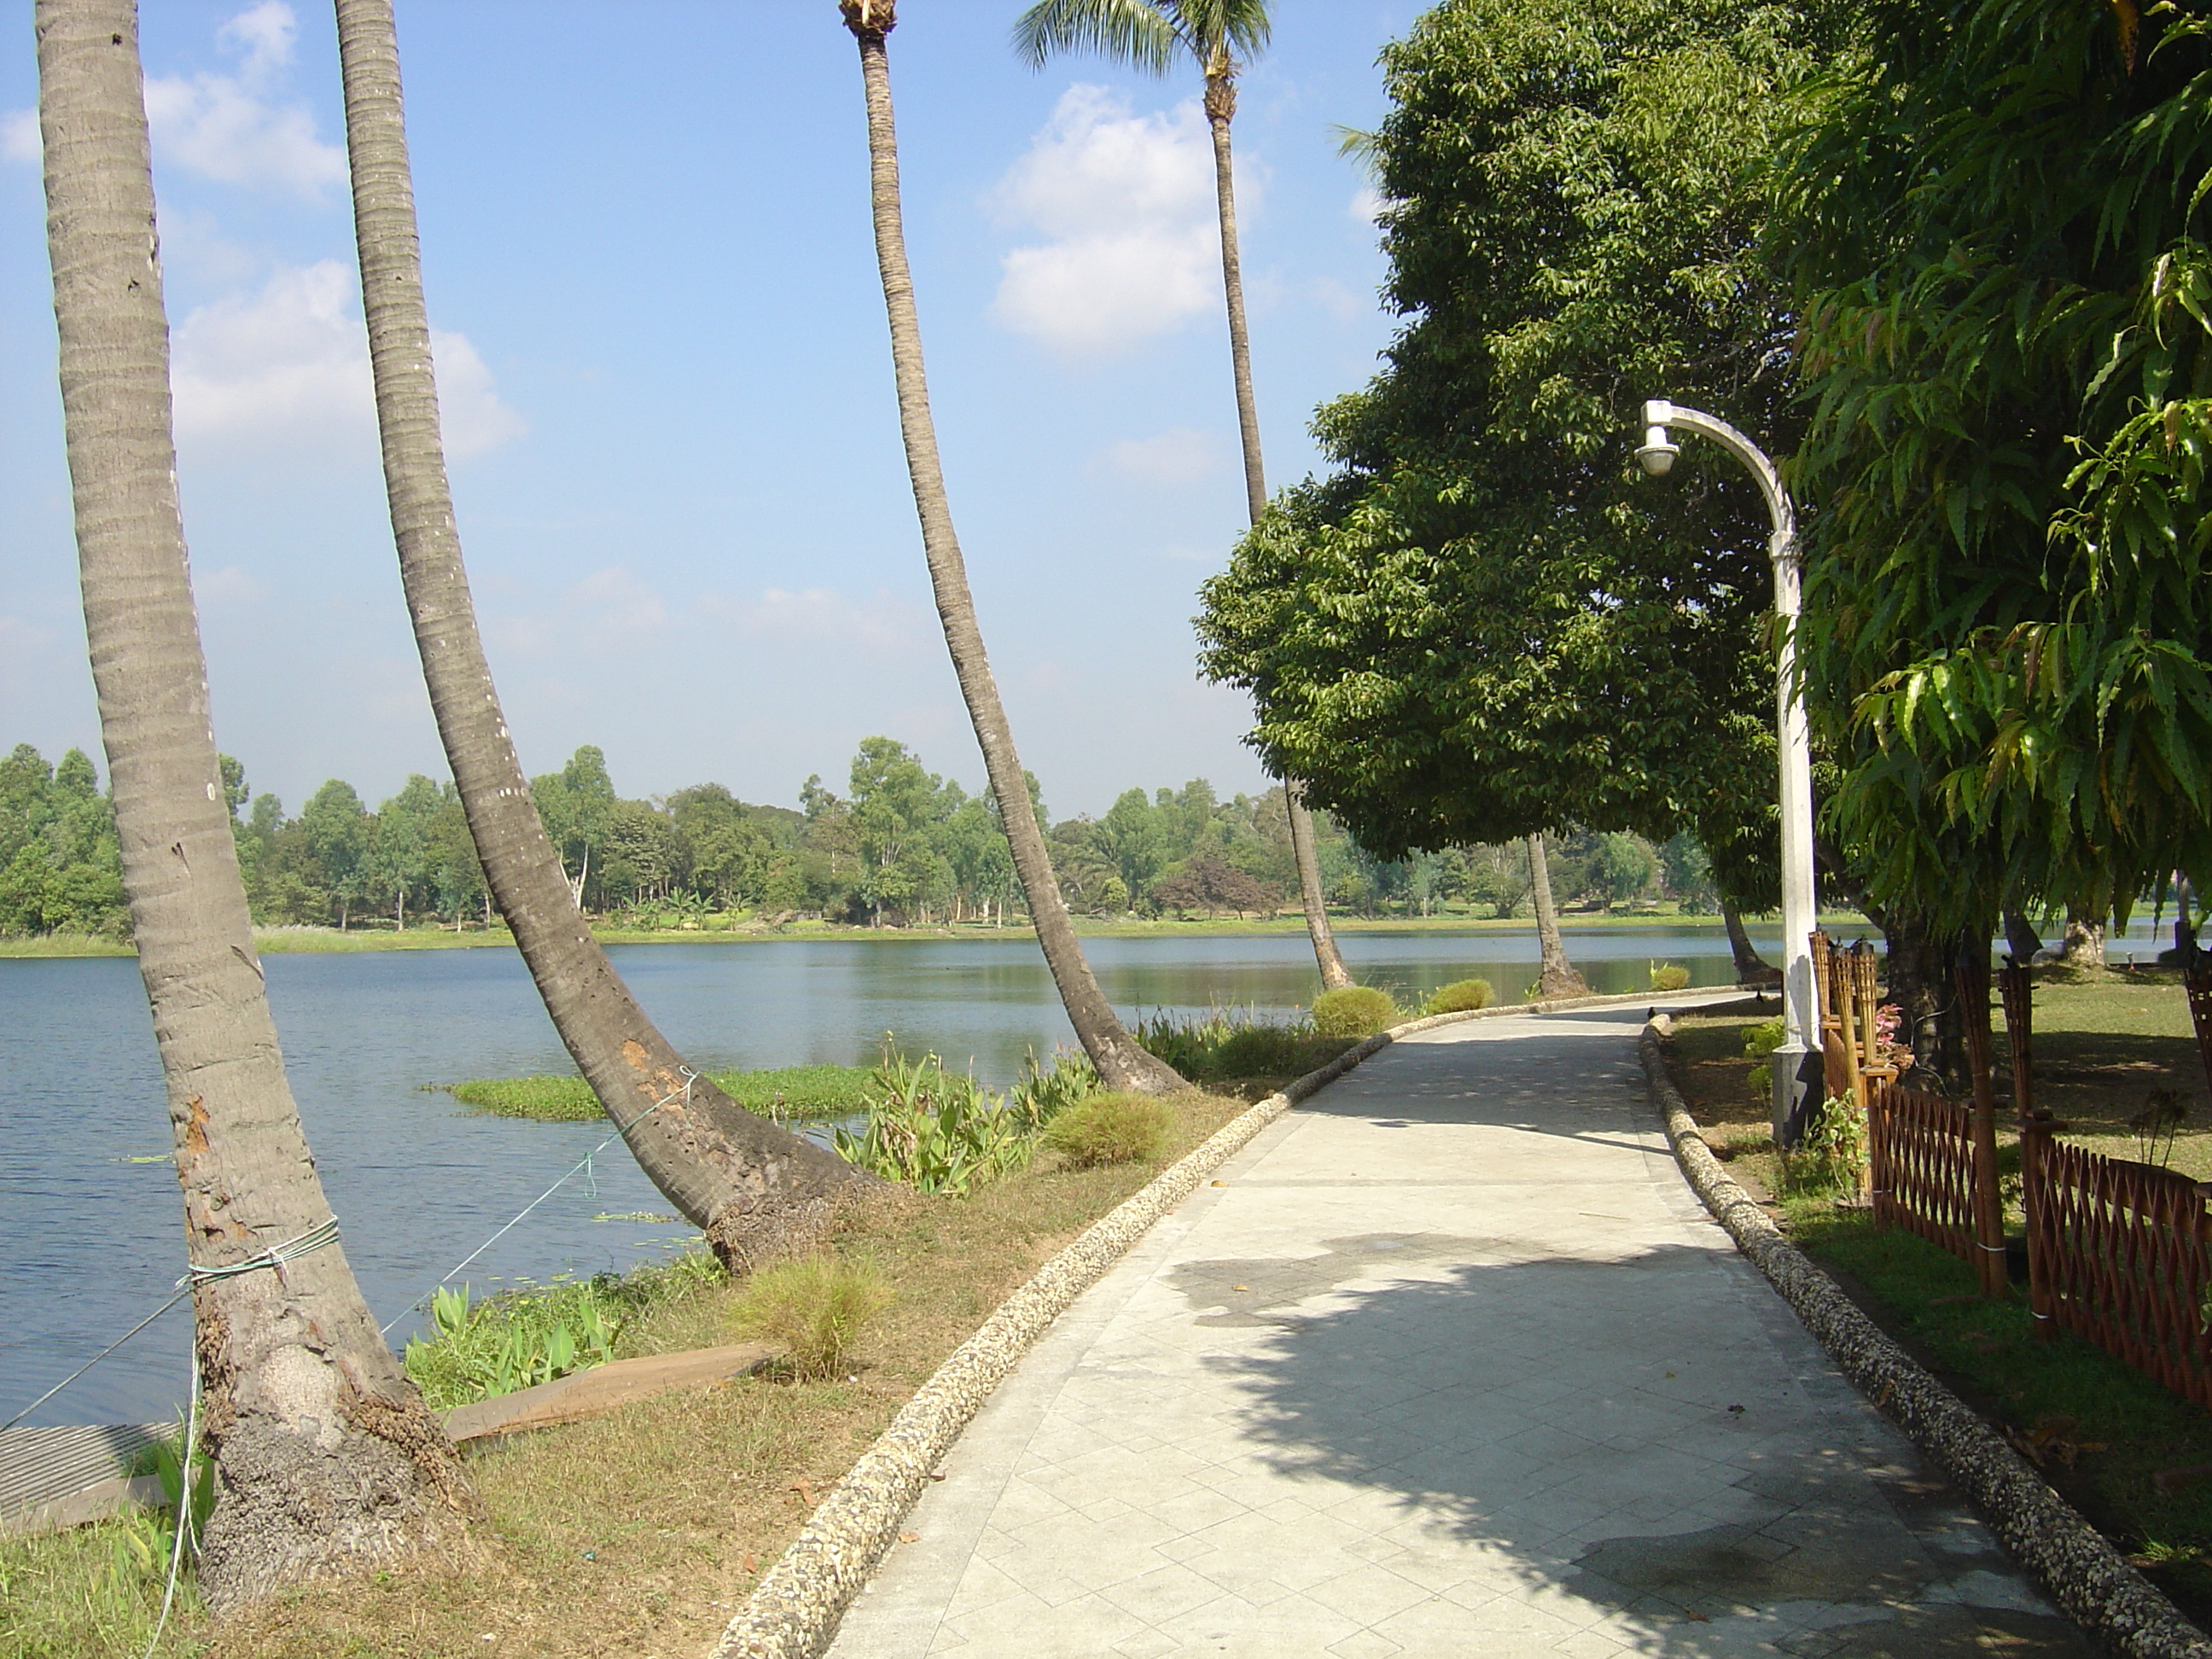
(1449, 1362)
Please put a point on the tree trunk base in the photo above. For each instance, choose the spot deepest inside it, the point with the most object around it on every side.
(316, 1499)
(1561, 983)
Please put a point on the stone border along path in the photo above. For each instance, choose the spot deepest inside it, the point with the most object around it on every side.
(793, 1612)
(1417, 1441)
(2076, 1563)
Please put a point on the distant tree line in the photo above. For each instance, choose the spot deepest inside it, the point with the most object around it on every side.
(902, 846)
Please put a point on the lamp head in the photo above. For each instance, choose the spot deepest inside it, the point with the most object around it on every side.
(1658, 451)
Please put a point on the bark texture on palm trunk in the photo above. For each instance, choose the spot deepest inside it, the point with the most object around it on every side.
(1220, 110)
(1122, 1063)
(754, 1188)
(327, 1461)
(1334, 976)
(1751, 969)
(1556, 976)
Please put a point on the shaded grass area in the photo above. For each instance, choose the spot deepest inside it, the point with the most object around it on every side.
(2099, 1430)
(641, 1532)
(784, 1093)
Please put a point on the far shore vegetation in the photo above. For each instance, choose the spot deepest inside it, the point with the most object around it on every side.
(747, 928)
(905, 851)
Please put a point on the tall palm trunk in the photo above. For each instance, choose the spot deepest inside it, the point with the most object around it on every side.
(1220, 109)
(754, 1188)
(325, 1458)
(1556, 976)
(1122, 1063)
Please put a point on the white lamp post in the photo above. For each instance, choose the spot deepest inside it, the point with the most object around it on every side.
(1800, 1007)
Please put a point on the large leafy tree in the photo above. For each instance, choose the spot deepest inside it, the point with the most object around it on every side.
(1120, 1061)
(1997, 232)
(752, 1186)
(325, 1459)
(1487, 624)
(1219, 36)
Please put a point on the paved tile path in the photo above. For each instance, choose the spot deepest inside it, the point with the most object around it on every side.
(1449, 1362)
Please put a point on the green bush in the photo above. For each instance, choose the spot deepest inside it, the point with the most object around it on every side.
(1219, 1048)
(1668, 976)
(1043, 1095)
(1108, 1128)
(1760, 1040)
(1460, 996)
(1354, 1011)
(936, 1131)
(814, 1308)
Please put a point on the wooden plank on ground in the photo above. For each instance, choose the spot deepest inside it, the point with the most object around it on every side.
(603, 1389)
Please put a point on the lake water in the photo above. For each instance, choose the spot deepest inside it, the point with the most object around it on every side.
(418, 1181)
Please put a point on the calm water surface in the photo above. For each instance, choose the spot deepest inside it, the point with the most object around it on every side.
(418, 1181)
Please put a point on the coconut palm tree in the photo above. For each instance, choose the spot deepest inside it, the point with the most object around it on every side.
(1556, 977)
(754, 1188)
(1122, 1063)
(325, 1459)
(1220, 35)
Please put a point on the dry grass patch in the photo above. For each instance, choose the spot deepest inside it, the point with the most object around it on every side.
(641, 1533)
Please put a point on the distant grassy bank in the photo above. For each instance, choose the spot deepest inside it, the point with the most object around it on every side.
(784, 1094)
(281, 941)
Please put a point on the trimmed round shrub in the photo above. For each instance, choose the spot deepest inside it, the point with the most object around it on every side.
(1668, 976)
(814, 1307)
(1108, 1128)
(1460, 996)
(1356, 1011)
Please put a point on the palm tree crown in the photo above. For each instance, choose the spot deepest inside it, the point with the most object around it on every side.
(1147, 34)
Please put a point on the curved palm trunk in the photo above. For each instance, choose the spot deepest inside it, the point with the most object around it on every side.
(1334, 976)
(1556, 976)
(325, 1458)
(1751, 969)
(754, 1188)
(1220, 107)
(1122, 1063)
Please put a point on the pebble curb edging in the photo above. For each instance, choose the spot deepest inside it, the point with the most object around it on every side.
(794, 1610)
(2089, 1579)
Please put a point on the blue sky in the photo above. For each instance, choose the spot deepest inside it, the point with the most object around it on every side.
(667, 388)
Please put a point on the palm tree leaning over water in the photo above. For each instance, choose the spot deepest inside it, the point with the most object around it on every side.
(1154, 35)
(753, 1188)
(1122, 1063)
(325, 1459)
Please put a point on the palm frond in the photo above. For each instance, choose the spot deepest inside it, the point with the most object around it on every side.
(1238, 27)
(1133, 32)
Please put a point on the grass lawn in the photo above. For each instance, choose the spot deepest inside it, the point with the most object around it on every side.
(639, 1533)
(2099, 1430)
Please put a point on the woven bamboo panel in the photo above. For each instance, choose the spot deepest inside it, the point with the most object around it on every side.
(1922, 1153)
(2122, 1247)
(2196, 975)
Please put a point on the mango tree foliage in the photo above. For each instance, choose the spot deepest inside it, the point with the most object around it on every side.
(1488, 623)
(1996, 231)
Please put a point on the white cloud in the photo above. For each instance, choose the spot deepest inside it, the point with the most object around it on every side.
(234, 128)
(1125, 203)
(19, 136)
(1177, 456)
(1368, 205)
(287, 370)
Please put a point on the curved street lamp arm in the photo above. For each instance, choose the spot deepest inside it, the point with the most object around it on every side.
(1660, 413)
